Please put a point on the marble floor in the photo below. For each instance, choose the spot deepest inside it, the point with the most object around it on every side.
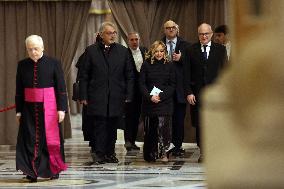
(132, 172)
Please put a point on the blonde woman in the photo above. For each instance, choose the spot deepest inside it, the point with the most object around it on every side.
(157, 84)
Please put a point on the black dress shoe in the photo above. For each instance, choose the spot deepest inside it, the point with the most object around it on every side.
(182, 151)
(134, 147)
(98, 159)
(31, 179)
(128, 146)
(111, 159)
(178, 152)
(54, 177)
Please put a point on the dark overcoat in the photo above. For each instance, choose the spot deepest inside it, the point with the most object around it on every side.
(106, 79)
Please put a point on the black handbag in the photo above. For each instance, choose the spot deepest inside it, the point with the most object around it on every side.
(76, 91)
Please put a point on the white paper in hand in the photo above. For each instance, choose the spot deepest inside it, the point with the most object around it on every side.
(155, 91)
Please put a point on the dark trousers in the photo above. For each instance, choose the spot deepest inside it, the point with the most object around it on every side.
(87, 126)
(178, 124)
(105, 135)
(195, 119)
(132, 118)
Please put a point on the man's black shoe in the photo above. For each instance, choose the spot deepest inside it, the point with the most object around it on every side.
(31, 179)
(178, 152)
(181, 150)
(134, 147)
(111, 159)
(54, 177)
(97, 159)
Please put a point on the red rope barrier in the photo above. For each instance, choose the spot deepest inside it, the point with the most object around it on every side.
(8, 108)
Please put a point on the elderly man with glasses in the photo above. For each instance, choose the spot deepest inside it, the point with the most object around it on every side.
(106, 84)
(206, 59)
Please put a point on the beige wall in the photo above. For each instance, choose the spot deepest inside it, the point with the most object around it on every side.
(243, 112)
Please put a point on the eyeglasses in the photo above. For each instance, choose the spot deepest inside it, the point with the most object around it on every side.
(171, 28)
(204, 34)
(111, 33)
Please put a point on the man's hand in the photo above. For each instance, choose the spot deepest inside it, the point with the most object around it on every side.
(84, 102)
(155, 99)
(18, 119)
(61, 116)
(191, 99)
(176, 56)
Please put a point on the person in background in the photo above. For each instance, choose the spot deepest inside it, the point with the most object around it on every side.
(157, 85)
(206, 59)
(41, 103)
(106, 84)
(177, 48)
(87, 120)
(133, 109)
(221, 36)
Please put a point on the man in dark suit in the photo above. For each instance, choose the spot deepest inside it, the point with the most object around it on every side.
(206, 60)
(106, 83)
(177, 48)
(133, 108)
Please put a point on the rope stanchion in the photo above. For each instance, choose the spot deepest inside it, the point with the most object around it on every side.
(8, 108)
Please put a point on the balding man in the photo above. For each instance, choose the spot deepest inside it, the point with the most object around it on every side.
(177, 48)
(41, 102)
(206, 59)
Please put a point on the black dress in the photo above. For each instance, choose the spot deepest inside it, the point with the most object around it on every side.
(32, 155)
(157, 116)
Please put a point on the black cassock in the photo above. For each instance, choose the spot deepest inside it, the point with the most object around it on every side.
(32, 155)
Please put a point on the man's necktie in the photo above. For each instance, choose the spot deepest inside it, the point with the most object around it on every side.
(204, 52)
(171, 50)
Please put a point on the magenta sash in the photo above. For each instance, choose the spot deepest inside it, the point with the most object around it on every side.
(47, 96)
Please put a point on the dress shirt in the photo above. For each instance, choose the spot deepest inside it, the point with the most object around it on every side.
(174, 42)
(138, 59)
(207, 48)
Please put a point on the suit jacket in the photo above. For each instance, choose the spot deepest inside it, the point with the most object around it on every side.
(143, 51)
(200, 72)
(106, 80)
(181, 46)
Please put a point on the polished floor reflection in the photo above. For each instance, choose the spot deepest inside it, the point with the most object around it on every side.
(132, 172)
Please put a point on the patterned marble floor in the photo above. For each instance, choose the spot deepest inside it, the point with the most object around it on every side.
(132, 172)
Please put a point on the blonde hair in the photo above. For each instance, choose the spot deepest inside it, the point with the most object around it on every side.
(151, 53)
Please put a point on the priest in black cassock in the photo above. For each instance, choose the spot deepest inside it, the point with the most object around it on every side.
(41, 103)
